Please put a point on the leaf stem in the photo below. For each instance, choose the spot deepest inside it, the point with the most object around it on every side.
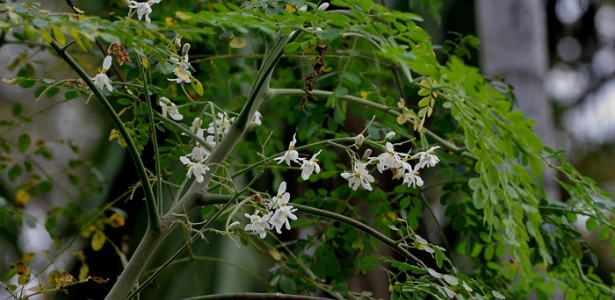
(386, 109)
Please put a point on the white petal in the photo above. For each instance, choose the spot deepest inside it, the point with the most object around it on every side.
(107, 62)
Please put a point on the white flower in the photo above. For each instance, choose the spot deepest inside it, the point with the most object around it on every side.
(101, 80)
(359, 177)
(222, 124)
(309, 166)
(427, 158)
(275, 201)
(389, 159)
(196, 168)
(182, 67)
(256, 120)
(290, 154)
(258, 224)
(144, 8)
(169, 107)
(282, 214)
(199, 153)
(389, 135)
(412, 177)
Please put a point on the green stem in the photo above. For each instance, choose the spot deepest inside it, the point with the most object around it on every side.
(152, 123)
(153, 217)
(386, 109)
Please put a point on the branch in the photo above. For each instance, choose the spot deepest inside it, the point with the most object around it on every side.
(197, 192)
(153, 217)
(384, 108)
(256, 296)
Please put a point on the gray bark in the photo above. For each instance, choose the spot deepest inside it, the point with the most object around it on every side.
(514, 46)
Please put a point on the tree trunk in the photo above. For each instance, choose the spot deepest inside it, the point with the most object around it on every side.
(514, 46)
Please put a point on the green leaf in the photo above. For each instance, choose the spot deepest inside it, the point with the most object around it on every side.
(288, 285)
(500, 250)
(23, 142)
(14, 172)
(197, 86)
(220, 7)
(330, 34)
(604, 233)
(290, 47)
(50, 225)
(550, 289)
(52, 92)
(497, 295)
(452, 280)
(489, 251)
(44, 187)
(17, 109)
(71, 95)
(591, 224)
(352, 78)
(59, 35)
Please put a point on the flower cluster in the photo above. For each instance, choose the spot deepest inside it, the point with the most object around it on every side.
(308, 166)
(278, 216)
(394, 161)
(195, 159)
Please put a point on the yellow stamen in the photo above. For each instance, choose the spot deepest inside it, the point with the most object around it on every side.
(291, 147)
(315, 160)
(105, 70)
(357, 175)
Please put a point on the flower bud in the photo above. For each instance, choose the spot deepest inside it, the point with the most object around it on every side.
(127, 2)
(323, 6)
(233, 226)
(178, 42)
(358, 141)
(389, 135)
(185, 49)
(367, 153)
